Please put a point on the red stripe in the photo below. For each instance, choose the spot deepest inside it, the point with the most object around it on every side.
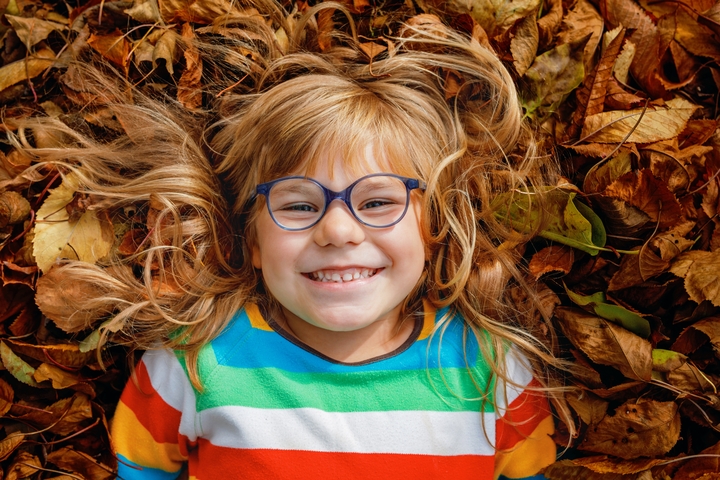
(521, 418)
(220, 462)
(159, 418)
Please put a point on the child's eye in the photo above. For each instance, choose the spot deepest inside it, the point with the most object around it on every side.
(299, 207)
(375, 204)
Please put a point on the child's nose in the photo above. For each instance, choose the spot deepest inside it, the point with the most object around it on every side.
(338, 227)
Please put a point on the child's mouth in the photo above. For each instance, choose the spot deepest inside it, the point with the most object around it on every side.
(342, 276)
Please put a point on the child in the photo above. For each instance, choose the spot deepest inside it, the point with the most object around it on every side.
(357, 325)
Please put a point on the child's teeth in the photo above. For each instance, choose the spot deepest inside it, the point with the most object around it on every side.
(365, 273)
(356, 275)
(335, 277)
(345, 277)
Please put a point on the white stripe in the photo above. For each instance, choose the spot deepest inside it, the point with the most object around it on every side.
(519, 372)
(170, 382)
(310, 429)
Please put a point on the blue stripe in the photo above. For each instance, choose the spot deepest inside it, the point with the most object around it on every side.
(534, 477)
(242, 346)
(129, 470)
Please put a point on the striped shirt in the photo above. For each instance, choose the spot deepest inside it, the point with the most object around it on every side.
(272, 408)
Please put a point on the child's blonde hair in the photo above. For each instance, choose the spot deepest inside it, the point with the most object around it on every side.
(197, 271)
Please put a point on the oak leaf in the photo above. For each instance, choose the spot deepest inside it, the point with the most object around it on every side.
(657, 123)
(87, 240)
(606, 343)
(639, 428)
(701, 271)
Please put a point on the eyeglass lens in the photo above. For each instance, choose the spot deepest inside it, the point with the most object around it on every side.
(377, 201)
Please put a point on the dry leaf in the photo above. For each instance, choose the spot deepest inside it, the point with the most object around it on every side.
(27, 68)
(24, 465)
(115, 47)
(606, 343)
(641, 428)
(582, 20)
(644, 191)
(69, 459)
(10, 443)
(524, 44)
(62, 417)
(6, 398)
(552, 259)
(700, 270)
(87, 240)
(657, 123)
(190, 84)
(33, 30)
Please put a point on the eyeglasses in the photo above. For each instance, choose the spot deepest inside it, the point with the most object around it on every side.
(379, 200)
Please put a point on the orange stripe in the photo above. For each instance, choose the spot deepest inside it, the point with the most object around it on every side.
(219, 462)
(521, 418)
(156, 416)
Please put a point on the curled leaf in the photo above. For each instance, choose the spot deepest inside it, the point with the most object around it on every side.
(18, 367)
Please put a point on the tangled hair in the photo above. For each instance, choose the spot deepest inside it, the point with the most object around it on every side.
(460, 140)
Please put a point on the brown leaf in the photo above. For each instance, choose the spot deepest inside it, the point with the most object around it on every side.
(606, 343)
(55, 297)
(10, 443)
(26, 322)
(24, 465)
(590, 408)
(551, 259)
(190, 85)
(166, 50)
(647, 193)
(707, 462)
(618, 99)
(646, 38)
(372, 49)
(524, 44)
(32, 31)
(12, 273)
(604, 464)
(697, 132)
(591, 95)
(657, 123)
(549, 23)
(696, 38)
(664, 164)
(113, 46)
(581, 20)
(636, 269)
(689, 378)
(605, 173)
(639, 428)
(6, 398)
(700, 270)
(61, 379)
(71, 460)
(62, 417)
(27, 68)
(698, 334)
(66, 355)
(13, 208)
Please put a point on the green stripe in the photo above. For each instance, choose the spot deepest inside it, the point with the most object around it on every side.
(340, 392)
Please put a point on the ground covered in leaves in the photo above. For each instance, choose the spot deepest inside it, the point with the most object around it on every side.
(624, 93)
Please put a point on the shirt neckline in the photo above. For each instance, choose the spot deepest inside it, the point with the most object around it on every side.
(414, 335)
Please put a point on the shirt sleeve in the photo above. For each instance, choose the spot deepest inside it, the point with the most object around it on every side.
(153, 428)
(524, 427)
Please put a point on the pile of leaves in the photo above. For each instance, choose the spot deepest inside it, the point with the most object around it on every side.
(624, 94)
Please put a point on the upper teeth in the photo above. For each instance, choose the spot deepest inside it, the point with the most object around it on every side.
(345, 276)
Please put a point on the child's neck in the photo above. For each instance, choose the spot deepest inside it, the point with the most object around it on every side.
(380, 338)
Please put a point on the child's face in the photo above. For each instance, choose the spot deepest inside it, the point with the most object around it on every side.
(339, 244)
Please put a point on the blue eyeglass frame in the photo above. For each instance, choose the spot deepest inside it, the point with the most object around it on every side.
(344, 195)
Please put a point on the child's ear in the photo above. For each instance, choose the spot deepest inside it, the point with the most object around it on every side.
(257, 263)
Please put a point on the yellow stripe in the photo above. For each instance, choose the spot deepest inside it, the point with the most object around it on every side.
(132, 440)
(529, 456)
(428, 320)
(256, 318)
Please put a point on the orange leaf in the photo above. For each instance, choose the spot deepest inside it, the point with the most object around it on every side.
(552, 259)
(113, 46)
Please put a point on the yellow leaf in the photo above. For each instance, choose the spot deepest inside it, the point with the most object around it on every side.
(658, 123)
(29, 67)
(87, 240)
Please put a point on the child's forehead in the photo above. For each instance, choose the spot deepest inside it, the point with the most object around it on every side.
(355, 163)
